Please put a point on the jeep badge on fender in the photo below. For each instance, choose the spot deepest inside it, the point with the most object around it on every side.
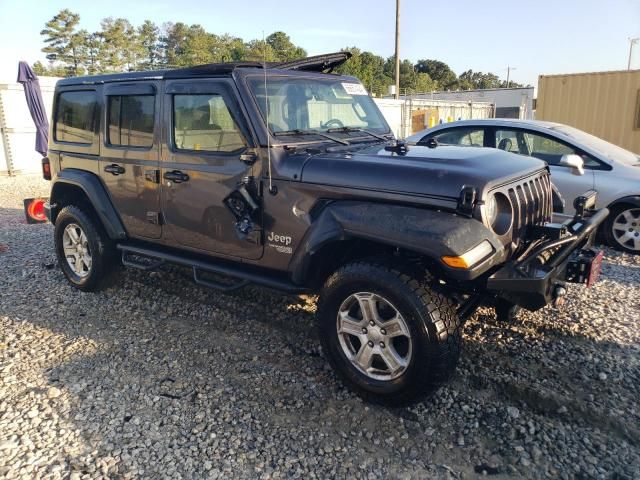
(311, 195)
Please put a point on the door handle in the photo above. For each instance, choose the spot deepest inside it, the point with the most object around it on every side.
(176, 176)
(114, 169)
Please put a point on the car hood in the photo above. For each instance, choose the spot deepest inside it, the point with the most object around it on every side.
(434, 172)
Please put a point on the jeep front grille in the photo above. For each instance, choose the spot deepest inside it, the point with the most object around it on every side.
(532, 204)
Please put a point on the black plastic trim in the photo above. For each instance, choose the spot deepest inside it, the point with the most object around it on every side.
(428, 232)
(95, 192)
(235, 270)
(532, 287)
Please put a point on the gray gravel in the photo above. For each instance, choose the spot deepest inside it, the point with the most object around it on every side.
(159, 378)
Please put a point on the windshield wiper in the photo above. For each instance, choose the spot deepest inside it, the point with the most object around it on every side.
(297, 131)
(356, 129)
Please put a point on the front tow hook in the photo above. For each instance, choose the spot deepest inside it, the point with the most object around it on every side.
(559, 293)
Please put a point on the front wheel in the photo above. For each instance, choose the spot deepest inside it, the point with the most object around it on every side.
(387, 334)
(622, 229)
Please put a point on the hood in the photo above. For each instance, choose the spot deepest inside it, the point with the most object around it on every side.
(434, 172)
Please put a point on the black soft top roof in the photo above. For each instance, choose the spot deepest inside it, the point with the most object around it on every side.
(318, 63)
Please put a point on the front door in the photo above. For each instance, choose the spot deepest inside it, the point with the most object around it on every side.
(205, 138)
(570, 183)
(129, 164)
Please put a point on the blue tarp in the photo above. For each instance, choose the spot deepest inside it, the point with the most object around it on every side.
(29, 80)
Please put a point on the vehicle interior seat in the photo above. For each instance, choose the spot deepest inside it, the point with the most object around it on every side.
(505, 144)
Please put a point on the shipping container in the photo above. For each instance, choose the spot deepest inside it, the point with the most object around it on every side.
(605, 104)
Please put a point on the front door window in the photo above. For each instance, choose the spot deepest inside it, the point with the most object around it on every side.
(473, 137)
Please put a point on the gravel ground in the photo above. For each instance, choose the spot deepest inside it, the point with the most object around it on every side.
(159, 378)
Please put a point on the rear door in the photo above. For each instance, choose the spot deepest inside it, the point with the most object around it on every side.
(206, 133)
(130, 161)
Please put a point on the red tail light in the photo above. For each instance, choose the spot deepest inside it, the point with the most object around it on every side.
(46, 168)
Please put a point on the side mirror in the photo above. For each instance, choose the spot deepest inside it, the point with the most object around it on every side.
(574, 162)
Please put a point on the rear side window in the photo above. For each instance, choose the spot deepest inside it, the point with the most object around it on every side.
(204, 122)
(75, 117)
(130, 120)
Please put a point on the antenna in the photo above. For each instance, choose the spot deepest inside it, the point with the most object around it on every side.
(266, 107)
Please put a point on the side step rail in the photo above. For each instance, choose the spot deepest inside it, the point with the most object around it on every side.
(127, 262)
(243, 276)
(222, 287)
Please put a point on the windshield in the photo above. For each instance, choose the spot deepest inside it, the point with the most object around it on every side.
(302, 104)
(604, 148)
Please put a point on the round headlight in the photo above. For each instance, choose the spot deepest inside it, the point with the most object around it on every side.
(499, 213)
(491, 209)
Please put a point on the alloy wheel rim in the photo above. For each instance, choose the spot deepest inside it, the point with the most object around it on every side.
(626, 228)
(76, 250)
(374, 336)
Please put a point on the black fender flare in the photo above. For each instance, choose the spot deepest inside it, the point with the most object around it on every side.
(97, 195)
(631, 200)
(431, 233)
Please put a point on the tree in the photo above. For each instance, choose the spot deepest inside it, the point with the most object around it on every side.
(369, 68)
(172, 42)
(198, 47)
(230, 49)
(283, 47)
(51, 71)
(259, 51)
(62, 41)
(121, 49)
(439, 72)
(148, 37)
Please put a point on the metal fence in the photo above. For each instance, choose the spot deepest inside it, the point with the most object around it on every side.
(408, 116)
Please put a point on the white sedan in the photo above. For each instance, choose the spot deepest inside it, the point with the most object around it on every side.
(578, 162)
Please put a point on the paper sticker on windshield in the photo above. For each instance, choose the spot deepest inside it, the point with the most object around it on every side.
(354, 89)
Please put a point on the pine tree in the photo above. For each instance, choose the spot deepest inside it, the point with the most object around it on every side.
(62, 41)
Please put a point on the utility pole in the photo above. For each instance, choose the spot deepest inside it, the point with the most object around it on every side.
(632, 42)
(397, 92)
(509, 73)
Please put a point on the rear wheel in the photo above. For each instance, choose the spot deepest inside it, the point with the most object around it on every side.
(622, 228)
(389, 336)
(85, 253)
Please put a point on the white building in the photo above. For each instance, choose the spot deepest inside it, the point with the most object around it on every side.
(509, 102)
(17, 132)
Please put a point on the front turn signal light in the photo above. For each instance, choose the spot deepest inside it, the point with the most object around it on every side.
(469, 258)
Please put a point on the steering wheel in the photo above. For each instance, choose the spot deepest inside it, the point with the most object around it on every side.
(333, 123)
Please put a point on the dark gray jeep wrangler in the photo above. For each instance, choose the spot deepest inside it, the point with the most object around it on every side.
(287, 176)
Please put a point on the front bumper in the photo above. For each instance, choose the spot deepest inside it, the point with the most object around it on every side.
(565, 255)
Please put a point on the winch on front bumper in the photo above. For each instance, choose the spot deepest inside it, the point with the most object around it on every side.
(563, 253)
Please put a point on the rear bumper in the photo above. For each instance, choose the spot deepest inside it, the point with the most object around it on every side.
(536, 279)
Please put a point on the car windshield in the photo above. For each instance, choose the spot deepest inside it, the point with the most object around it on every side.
(302, 104)
(604, 148)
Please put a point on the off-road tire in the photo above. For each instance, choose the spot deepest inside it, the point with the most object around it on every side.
(607, 229)
(105, 262)
(430, 316)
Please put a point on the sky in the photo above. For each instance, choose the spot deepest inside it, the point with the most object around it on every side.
(534, 37)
